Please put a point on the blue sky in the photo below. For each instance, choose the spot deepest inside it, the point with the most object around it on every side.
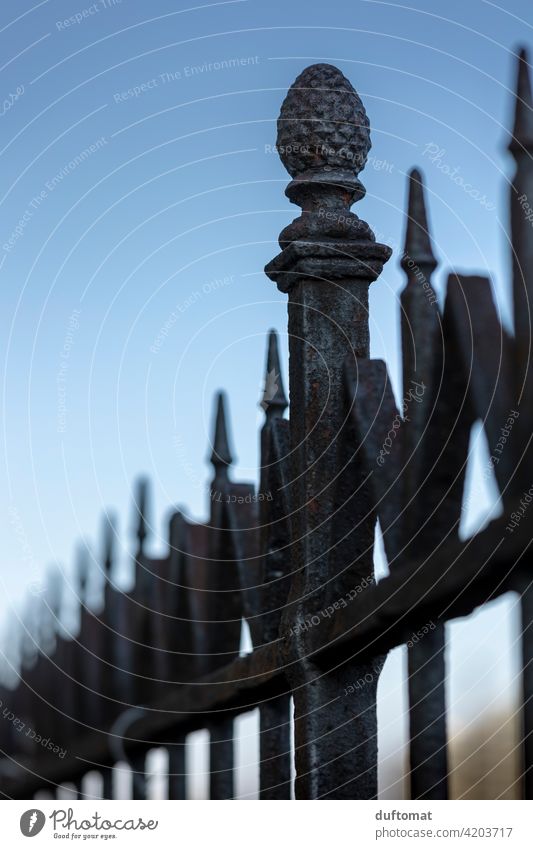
(141, 201)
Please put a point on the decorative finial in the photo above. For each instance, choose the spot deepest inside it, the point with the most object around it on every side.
(141, 502)
(418, 251)
(109, 531)
(221, 456)
(522, 137)
(274, 401)
(323, 141)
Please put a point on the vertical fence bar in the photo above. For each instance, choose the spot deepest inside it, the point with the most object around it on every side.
(142, 600)
(221, 759)
(46, 699)
(328, 260)
(90, 707)
(176, 635)
(436, 515)
(176, 770)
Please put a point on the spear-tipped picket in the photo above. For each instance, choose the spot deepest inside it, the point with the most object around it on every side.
(221, 457)
(274, 401)
(141, 508)
(419, 317)
(521, 202)
(54, 592)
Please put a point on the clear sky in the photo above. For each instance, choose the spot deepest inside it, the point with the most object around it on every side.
(140, 202)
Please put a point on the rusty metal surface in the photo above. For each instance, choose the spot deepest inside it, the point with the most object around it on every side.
(453, 582)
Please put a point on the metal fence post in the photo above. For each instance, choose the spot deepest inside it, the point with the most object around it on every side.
(329, 258)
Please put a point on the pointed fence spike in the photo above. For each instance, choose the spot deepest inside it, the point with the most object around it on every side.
(221, 456)
(274, 401)
(522, 137)
(418, 249)
(418, 299)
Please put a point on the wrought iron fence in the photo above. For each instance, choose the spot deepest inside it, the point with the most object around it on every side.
(295, 558)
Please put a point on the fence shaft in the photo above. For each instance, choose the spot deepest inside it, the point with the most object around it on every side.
(275, 749)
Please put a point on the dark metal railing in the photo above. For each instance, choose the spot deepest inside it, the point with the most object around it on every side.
(295, 559)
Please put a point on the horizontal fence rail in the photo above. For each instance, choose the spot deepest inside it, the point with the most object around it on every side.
(294, 557)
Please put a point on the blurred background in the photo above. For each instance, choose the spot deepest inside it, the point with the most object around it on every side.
(141, 197)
